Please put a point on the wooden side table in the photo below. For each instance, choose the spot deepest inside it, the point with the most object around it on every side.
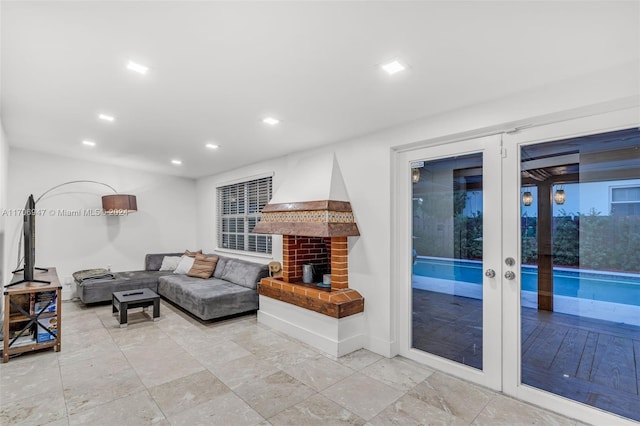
(24, 319)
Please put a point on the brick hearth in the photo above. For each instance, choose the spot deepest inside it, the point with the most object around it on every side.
(336, 303)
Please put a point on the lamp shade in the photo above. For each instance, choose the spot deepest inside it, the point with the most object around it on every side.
(560, 196)
(117, 203)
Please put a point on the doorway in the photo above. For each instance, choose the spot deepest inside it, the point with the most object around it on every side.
(521, 265)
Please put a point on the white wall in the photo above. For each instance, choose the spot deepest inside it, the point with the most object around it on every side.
(366, 165)
(4, 166)
(4, 169)
(164, 222)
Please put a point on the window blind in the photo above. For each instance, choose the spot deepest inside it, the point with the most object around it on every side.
(239, 210)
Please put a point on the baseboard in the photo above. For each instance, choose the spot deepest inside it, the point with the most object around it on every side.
(335, 337)
(382, 347)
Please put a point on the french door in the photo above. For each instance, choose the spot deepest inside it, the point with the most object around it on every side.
(451, 320)
(486, 246)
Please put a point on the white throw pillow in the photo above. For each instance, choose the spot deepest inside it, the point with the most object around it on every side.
(184, 265)
(170, 263)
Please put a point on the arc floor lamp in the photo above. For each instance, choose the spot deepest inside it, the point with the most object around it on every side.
(110, 203)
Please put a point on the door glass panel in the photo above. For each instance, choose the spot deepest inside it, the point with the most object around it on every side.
(447, 258)
(580, 230)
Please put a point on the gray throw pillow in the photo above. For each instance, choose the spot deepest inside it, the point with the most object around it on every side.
(243, 273)
(222, 262)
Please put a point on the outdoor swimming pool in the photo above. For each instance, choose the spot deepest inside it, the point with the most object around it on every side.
(619, 288)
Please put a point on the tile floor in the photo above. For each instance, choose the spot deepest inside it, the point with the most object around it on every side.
(178, 371)
(591, 361)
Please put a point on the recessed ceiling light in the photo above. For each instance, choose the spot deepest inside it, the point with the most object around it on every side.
(212, 146)
(139, 68)
(176, 162)
(393, 67)
(106, 117)
(88, 143)
(271, 121)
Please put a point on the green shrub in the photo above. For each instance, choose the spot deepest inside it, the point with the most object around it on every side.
(588, 241)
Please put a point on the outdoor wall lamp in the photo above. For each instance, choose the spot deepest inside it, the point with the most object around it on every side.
(559, 196)
(415, 175)
(527, 198)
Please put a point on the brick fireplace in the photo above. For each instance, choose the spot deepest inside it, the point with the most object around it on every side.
(329, 255)
(312, 232)
(298, 250)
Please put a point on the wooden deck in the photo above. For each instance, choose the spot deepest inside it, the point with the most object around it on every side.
(448, 326)
(591, 361)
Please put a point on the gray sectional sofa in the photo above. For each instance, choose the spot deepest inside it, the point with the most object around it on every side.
(231, 290)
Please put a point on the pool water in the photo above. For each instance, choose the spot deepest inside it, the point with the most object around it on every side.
(593, 285)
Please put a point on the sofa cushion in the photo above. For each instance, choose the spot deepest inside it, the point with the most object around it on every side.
(246, 274)
(207, 299)
(203, 266)
(93, 291)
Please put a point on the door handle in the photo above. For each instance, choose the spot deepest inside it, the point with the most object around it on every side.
(509, 275)
(490, 273)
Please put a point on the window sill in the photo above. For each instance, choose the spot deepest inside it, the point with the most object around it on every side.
(245, 253)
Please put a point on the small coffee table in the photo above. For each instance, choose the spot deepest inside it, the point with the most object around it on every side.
(124, 300)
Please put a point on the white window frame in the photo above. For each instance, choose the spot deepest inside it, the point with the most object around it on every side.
(612, 203)
(239, 208)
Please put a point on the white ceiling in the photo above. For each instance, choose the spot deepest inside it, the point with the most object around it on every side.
(218, 68)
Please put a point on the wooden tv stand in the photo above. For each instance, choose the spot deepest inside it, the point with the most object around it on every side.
(21, 320)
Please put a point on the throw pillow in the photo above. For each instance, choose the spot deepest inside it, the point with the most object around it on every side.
(185, 265)
(170, 263)
(244, 273)
(203, 266)
(222, 262)
(192, 253)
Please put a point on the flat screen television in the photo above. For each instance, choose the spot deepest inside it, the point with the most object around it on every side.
(29, 240)
(29, 235)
